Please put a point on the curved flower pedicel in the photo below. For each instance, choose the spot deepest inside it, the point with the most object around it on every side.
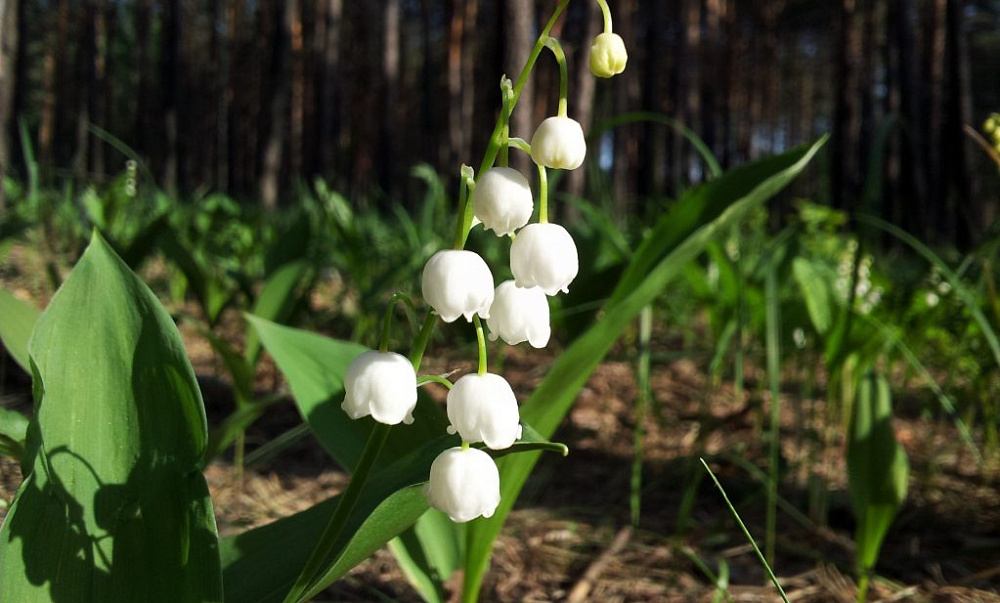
(502, 200)
(464, 484)
(519, 314)
(544, 255)
(383, 385)
(483, 408)
(457, 283)
(559, 143)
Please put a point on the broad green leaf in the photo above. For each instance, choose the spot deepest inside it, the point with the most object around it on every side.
(17, 319)
(276, 301)
(389, 505)
(701, 214)
(816, 293)
(113, 507)
(314, 366)
(877, 467)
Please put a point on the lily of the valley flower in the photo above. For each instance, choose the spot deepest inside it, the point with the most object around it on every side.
(544, 255)
(502, 200)
(464, 484)
(383, 385)
(482, 408)
(519, 314)
(457, 283)
(608, 55)
(559, 143)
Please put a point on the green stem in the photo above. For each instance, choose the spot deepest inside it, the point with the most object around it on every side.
(772, 318)
(520, 144)
(383, 343)
(417, 353)
(464, 222)
(642, 400)
(324, 546)
(425, 379)
(481, 339)
(543, 194)
(556, 48)
(507, 98)
(746, 532)
(607, 15)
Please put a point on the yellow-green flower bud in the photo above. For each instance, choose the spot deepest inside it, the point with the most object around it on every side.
(608, 55)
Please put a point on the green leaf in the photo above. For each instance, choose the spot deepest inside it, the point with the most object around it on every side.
(314, 366)
(701, 214)
(17, 319)
(113, 507)
(276, 301)
(816, 293)
(877, 467)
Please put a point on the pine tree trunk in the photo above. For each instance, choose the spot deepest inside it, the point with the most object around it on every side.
(519, 24)
(274, 140)
(171, 84)
(9, 29)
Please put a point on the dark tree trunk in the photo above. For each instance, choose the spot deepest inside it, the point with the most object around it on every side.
(9, 29)
(171, 85)
(519, 22)
(274, 139)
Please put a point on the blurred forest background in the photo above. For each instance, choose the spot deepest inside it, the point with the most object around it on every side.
(255, 97)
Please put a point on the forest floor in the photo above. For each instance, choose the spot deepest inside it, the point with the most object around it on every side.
(569, 539)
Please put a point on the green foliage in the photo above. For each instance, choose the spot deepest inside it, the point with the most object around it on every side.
(113, 506)
(877, 470)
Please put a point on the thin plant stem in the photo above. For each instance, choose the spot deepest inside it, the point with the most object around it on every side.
(420, 345)
(773, 320)
(481, 340)
(383, 343)
(425, 379)
(556, 48)
(641, 403)
(746, 532)
(327, 540)
(464, 222)
(607, 15)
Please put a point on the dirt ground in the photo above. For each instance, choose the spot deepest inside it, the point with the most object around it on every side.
(569, 537)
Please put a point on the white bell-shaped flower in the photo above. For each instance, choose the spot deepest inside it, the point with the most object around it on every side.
(383, 385)
(464, 484)
(482, 408)
(559, 143)
(544, 255)
(608, 55)
(457, 283)
(502, 200)
(519, 314)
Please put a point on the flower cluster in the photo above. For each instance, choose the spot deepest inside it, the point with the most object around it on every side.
(482, 409)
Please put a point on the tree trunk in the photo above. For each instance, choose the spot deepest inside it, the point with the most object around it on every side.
(519, 37)
(847, 115)
(171, 83)
(9, 29)
(270, 179)
(582, 92)
(298, 89)
(391, 168)
(332, 80)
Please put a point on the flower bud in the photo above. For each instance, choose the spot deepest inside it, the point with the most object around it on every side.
(482, 408)
(464, 484)
(608, 55)
(457, 283)
(519, 314)
(383, 385)
(544, 255)
(558, 143)
(502, 200)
